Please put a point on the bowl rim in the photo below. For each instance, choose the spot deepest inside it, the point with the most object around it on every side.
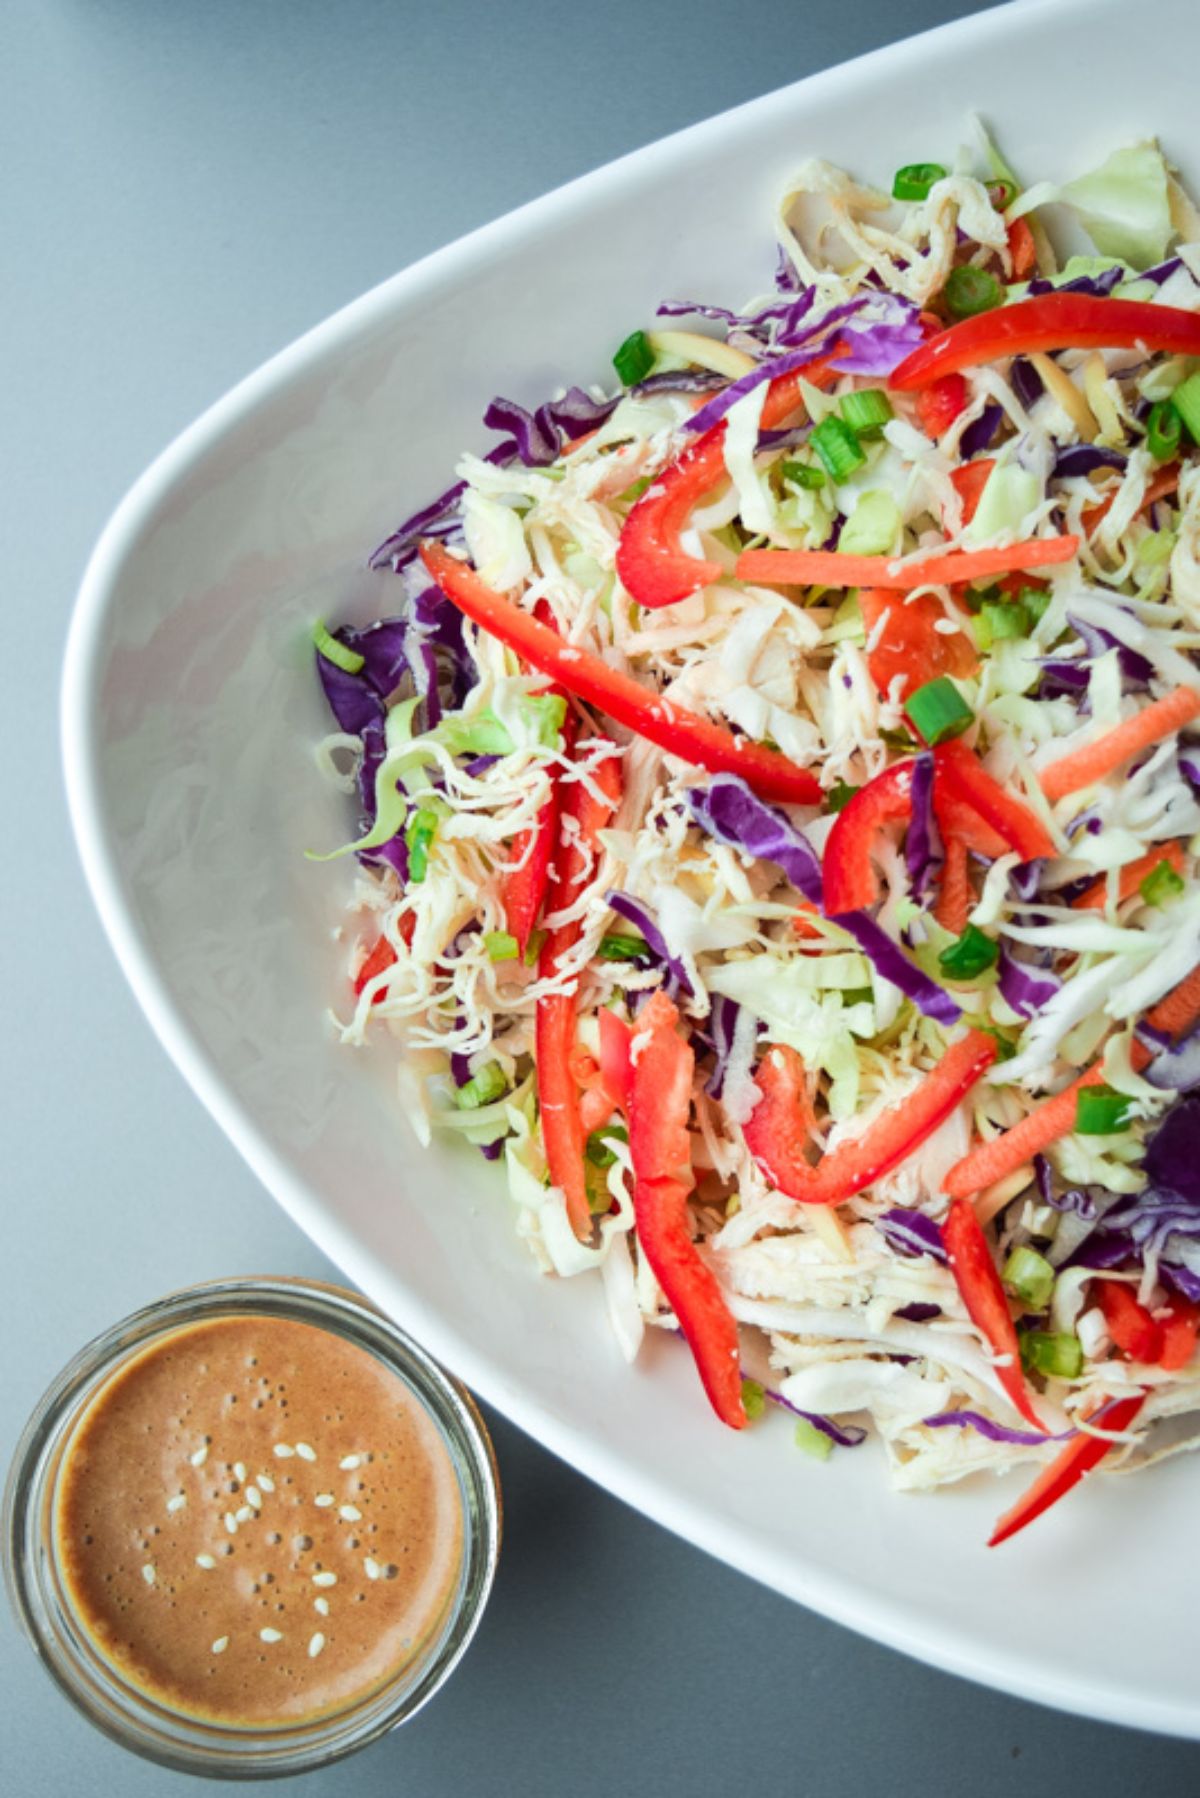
(833, 1595)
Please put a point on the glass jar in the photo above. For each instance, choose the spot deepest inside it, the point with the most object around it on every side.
(41, 1596)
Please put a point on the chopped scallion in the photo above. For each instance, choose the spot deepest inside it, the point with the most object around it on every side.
(501, 946)
(1029, 1277)
(803, 474)
(1006, 618)
(1035, 601)
(839, 796)
(754, 1398)
(621, 948)
(1056, 1354)
(938, 711)
(1164, 427)
(635, 358)
(873, 528)
(1161, 884)
(328, 646)
(970, 954)
(813, 1441)
(866, 413)
(838, 447)
(970, 290)
(915, 179)
(1099, 1111)
(533, 947)
(482, 1088)
(418, 840)
(1002, 193)
(598, 1151)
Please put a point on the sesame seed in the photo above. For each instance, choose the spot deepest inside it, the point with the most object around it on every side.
(177, 1503)
(350, 1513)
(270, 1635)
(323, 1499)
(148, 1573)
(244, 1514)
(315, 1644)
(305, 1451)
(321, 1606)
(266, 1482)
(231, 1523)
(220, 1645)
(239, 1470)
(200, 1456)
(206, 1561)
(349, 1461)
(283, 1451)
(254, 1497)
(372, 1569)
(324, 1579)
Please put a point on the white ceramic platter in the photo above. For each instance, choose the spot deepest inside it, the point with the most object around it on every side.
(190, 709)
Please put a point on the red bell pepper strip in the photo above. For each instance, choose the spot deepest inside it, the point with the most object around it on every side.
(939, 404)
(1052, 321)
(1179, 1331)
(908, 645)
(1129, 1323)
(681, 733)
(943, 567)
(969, 480)
(660, 1096)
(654, 568)
(523, 888)
(615, 1071)
(563, 1135)
(1066, 1470)
(983, 1295)
(778, 1130)
(961, 822)
(849, 879)
(1022, 250)
(382, 955)
(965, 777)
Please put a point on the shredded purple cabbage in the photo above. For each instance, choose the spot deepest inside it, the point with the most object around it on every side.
(1176, 1067)
(912, 1233)
(844, 1435)
(1085, 458)
(887, 957)
(1023, 987)
(918, 1312)
(639, 916)
(722, 1022)
(770, 369)
(995, 1432)
(1136, 670)
(980, 434)
(922, 845)
(680, 380)
(438, 519)
(728, 810)
(540, 435)
(1026, 382)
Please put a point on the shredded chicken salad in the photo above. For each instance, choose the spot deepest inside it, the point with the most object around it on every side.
(778, 778)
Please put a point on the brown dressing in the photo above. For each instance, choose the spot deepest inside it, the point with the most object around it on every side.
(257, 1522)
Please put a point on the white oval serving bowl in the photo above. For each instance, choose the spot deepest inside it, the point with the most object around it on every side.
(189, 711)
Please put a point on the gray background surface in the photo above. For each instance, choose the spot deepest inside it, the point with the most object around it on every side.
(183, 188)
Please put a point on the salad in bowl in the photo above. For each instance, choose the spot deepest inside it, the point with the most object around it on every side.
(780, 825)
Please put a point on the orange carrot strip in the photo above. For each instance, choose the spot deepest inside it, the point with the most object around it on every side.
(1132, 875)
(829, 568)
(1164, 482)
(990, 1161)
(956, 898)
(1084, 767)
(1179, 1010)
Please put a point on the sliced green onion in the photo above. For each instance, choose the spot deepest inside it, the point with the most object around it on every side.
(1099, 1111)
(1161, 884)
(1030, 1278)
(970, 954)
(839, 796)
(533, 947)
(418, 839)
(1005, 1049)
(969, 290)
(1186, 401)
(636, 489)
(803, 474)
(1054, 1353)
(866, 413)
(1004, 618)
(938, 711)
(754, 1398)
(1164, 427)
(482, 1088)
(335, 652)
(838, 447)
(915, 179)
(621, 948)
(500, 946)
(635, 358)
(1002, 193)
(1035, 601)
(598, 1151)
(813, 1441)
(873, 528)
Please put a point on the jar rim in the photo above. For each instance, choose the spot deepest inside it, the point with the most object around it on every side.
(133, 1718)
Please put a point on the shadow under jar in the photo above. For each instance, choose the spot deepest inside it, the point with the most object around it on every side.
(252, 1527)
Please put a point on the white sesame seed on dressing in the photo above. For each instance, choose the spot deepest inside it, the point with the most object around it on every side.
(270, 1635)
(321, 1606)
(350, 1513)
(149, 1574)
(231, 1523)
(283, 1451)
(239, 1470)
(220, 1645)
(324, 1499)
(177, 1503)
(349, 1462)
(306, 1451)
(200, 1456)
(316, 1643)
(372, 1569)
(266, 1482)
(244, 1514)
(324, 1579)
(208, 1562)
(254, 1497)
